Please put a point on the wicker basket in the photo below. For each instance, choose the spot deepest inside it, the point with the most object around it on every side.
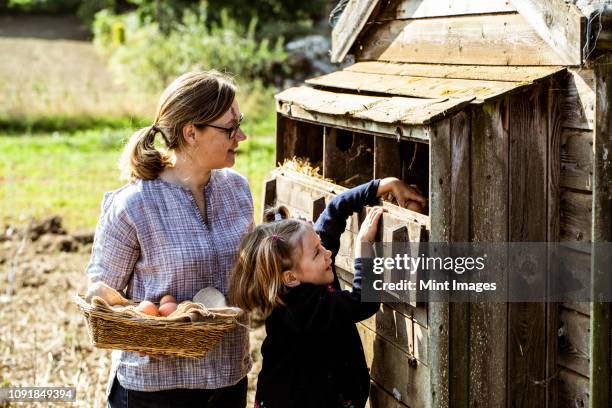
(111, 329)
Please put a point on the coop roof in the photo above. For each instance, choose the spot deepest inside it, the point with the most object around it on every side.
(400, 99)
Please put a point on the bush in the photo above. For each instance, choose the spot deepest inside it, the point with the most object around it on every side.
(149, 59)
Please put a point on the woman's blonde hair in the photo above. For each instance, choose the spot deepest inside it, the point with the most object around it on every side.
(256, 282)
(194, 97)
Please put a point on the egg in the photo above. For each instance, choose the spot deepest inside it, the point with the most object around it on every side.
(414, 206)
(148, 308)
(167, 308)
(167, 299)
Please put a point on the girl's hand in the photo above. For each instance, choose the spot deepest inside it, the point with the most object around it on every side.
(403, 193)
(369, 227)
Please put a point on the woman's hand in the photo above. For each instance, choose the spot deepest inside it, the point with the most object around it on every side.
(405, 195)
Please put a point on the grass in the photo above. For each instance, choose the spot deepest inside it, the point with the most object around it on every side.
(67, 172)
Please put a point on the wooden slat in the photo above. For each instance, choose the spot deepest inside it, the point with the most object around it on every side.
(348, 157)
(296, 138)
(440, 211)
(528, 134)
(397, 328)
(478, 72)
(459, 313)
(380, 398)
(437, 8)
(385, 110)
(579, 101)
(558, 23)
(349, 25)
(387, 158)
(581, 307)
(574, 341)
(577, 159)
(393, 369)
(502, 39)
(576, 210)
(488, 321)
(573, 390)
(418, 87)
(555, 118)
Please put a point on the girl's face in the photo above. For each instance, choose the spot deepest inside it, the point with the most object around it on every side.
(315, 261)
(215, 149)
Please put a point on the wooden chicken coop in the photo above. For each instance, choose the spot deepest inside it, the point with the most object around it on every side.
(497, 111)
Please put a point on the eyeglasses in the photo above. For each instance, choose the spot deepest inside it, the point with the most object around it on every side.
(231, 130)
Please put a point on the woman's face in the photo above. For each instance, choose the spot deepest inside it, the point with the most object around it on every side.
(214, 148)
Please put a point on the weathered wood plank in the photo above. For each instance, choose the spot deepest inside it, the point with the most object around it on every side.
(554, 120)
(348, 157)
(395, 370)
(440, 211)
(528, 134)
(384, 110)
(600, 386)
(477, 72)
(579, 101)
(574, 341)
(437, 8)
(489, 218)
(380, 398)
(573, 390)
(502, 39)
(405, 132)
(581, 307)
(349, 25)
(459, 313)
(417, 86)
(297, 138)
(558, 23)
(575, 219)
(577, 159)
(387, 158)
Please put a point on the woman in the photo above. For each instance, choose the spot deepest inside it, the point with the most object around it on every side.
(175, 229)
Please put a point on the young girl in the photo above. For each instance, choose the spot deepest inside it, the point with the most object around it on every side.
(312, 355)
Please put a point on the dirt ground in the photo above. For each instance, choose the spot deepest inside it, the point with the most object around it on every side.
(44, 341)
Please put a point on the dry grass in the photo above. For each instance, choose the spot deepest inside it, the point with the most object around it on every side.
(58, 78)
(43, 341)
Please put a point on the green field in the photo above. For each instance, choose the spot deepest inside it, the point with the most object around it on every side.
(66, 173)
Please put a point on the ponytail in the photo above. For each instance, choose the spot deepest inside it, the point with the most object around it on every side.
(140, 158)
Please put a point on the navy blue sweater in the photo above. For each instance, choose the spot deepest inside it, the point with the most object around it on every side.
(312, 355)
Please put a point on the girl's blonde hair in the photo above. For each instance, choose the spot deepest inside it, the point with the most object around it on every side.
(256, 282)
(194, 97)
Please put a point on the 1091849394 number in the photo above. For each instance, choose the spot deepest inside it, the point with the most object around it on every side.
(32, 394)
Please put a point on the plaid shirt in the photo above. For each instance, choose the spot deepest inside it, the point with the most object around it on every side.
(152, 240)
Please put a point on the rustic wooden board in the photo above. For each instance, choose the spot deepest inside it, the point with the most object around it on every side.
(560, 24)
(387, 158)
(477, 72)
(349, 25)
(576, 209)
(579, 101)
(298, 139)
(489, 218)
(380, 398)
(393, 369)
(577, 159)
(581, 307)
(397, 328)
(404, 132)
(440, 210)
(573, 390)
(384, 110)
(348, 157)
(497, 39)
(555, 129)
(416, 86)
(528, 135)
(459, 313)
(436, 8)
(574, 341)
